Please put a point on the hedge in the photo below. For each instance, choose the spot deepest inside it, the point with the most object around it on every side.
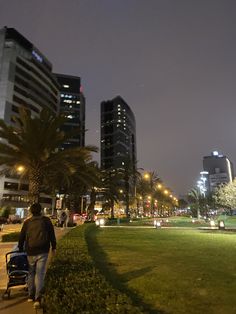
(11, 237)
(73, 285)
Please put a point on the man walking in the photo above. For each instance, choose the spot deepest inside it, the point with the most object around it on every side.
(36, 236)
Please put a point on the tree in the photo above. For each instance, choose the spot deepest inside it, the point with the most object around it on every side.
(194, 196)
(33, 143)
(148, 186)
(182, 203)
(84, 179)
(225, 195)
(110, 185)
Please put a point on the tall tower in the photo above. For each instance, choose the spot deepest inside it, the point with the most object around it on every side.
(72, 105)
(26, 79)
(219, 168)
(118, 135)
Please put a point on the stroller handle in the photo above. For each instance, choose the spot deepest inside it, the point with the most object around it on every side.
(12, 252)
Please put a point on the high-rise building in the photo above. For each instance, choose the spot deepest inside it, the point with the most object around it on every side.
(118, 135)
(219, 168)
(26, 79)
(72, 105)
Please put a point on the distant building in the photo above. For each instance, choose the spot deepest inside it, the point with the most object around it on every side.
(72, 105)
(219, 168)
(118, 135)
(26, 79)
(118, 144)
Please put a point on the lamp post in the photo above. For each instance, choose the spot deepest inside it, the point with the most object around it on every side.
(203, 188)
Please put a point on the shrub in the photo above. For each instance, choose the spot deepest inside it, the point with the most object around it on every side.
(5, 211)
(74, 285)
(11, 237)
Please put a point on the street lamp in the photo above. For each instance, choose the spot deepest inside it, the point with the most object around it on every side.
(20, 168)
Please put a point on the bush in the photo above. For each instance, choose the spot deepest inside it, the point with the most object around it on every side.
(11, 237)
(5, 212)
(74, 285)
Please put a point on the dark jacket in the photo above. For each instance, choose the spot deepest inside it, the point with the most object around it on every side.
(22, 244)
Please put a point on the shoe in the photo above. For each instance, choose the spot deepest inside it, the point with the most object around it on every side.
(30, 299)
(36, 304)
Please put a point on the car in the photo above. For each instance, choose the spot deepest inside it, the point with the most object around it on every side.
(14, 219)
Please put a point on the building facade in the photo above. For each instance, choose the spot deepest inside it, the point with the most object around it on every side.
(118, 148)
(118, 135)
(219, 168)
(72, 105)
(26, 79)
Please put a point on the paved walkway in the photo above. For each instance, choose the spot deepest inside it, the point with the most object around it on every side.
(17, 304)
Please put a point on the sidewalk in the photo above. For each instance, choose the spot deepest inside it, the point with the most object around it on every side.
(17, 304)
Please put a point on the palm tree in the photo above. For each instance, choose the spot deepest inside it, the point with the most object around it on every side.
(194, 196)
(151, 179)
(73, 187)
(111, 184)
(130, 175)
(33, 143)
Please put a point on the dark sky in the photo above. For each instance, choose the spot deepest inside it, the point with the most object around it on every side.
(173, 61)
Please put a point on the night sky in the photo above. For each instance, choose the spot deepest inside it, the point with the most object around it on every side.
(173, 61)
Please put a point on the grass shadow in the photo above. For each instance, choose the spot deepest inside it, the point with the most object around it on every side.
(108, 270)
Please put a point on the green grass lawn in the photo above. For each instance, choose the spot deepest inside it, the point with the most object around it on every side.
(169, 271)
(175, 221)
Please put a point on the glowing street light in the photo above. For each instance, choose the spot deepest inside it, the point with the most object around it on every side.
(20, 168)
(146, 176)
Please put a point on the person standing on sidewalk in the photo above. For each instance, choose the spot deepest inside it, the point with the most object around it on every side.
(36, 237)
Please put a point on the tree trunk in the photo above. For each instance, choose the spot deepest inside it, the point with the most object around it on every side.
(91, 206)
(112, 209)
(35, 182)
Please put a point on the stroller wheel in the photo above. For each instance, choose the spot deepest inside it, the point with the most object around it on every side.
(6, 294)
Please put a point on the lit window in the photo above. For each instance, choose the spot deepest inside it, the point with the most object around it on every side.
(62, 95)
(78, 102)
(66, 86)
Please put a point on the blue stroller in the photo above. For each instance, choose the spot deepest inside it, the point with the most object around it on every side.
(17, 271)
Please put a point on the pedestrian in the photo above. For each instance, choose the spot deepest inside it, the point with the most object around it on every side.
(36, 236)
(63, 218)
(67, 212)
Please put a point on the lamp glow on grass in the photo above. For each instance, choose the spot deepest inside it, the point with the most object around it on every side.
(175, 271)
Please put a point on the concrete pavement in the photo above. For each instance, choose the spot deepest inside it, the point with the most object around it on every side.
(17, 304)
